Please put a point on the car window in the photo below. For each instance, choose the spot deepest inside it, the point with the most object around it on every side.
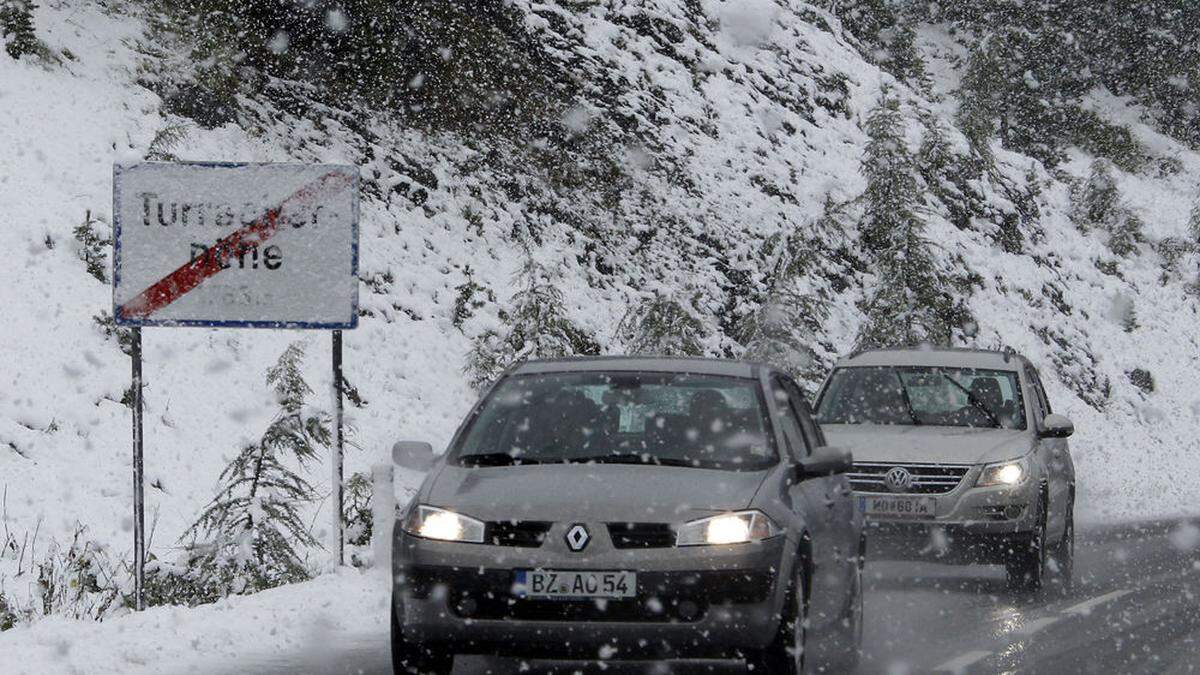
(935, 396)
(789, 421)
(1039, 405)
(1037, 380)
(812, 433)
(646, 418)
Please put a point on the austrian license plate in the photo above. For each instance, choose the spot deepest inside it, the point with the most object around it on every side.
(883, 506)
(567, 585)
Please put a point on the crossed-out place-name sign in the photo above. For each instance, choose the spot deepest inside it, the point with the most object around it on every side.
(237, 245)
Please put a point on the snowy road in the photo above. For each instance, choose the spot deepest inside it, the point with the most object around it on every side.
(1134, 610)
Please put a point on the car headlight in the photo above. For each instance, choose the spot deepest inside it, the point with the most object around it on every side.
(1004, 473)
(730, 528)
(430, 522)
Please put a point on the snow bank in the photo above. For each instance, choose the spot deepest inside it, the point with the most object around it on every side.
(348, 606)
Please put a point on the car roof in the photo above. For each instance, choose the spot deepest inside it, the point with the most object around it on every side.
(654, 364)
(936, 356)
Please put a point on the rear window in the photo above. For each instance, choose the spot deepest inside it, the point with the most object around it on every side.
(671, 419)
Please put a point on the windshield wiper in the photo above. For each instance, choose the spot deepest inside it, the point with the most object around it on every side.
(975, 402)
(631, 458)
(496, 459)
(912, 414)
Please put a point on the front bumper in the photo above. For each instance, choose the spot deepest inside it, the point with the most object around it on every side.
(972, 525)
(697, 602)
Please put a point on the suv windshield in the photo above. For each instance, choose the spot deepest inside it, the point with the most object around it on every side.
(636, 418)
(948, 397)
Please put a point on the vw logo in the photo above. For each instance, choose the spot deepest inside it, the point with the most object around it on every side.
(898, 479)
(578, 537)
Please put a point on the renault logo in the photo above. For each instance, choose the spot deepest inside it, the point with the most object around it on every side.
(898, 479)
(578, 537)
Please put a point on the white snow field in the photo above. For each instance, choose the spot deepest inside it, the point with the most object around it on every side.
(239, 634)
(65, 436)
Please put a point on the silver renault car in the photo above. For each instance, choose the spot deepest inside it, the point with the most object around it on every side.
(959, 458)
(631, 508)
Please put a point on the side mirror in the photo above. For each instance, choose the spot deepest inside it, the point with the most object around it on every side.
(826, 461)
(1056, 426)
(414, 455)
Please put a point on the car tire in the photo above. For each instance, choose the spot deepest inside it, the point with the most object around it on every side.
(412, 659)
(786, 655)
(1064, 553)
(856, 621)
(1026, 564)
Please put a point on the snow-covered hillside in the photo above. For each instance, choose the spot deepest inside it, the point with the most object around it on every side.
(698, 135)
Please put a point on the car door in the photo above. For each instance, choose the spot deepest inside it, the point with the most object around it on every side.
(846, 519)
(1054, 454)
(818, 497)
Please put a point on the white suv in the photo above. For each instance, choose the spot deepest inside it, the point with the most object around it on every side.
(959, 459)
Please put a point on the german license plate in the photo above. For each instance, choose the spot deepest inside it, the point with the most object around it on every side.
(566, 585)
(883, 506)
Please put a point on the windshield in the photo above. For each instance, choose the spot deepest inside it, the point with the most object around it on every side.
(635, 418)
(947, 397)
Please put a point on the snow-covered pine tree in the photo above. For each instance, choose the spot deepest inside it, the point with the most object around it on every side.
(783, 332)
(981, 96)
(356, 511)
(906, 62)
(467, 299)
(1097, 203)
(1126, 233)
(785, 328)
(911, 302)
(537, 326)
(93, 248)
(252, 536)
(934, 156)
(1030, 67)
(892, 186)
(661, 325)
(16, 25)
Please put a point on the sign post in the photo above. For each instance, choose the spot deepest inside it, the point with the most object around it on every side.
(139, 510)
(239, 246)
(338, 448)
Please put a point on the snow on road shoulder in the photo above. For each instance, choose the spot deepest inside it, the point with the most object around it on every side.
(207, 639)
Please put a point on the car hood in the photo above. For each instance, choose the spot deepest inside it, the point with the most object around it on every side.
(598, 492)
(942, 445)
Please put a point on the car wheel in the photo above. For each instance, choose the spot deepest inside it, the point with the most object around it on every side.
(1064, 552)
(786, 653)
(1026, 565)
(413, 659)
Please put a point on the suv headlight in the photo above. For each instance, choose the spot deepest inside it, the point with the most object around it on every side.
(430, 522)
(1004, 473)
(730, 528)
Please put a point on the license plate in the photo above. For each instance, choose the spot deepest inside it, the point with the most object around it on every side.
(884, 506)
(562, 584)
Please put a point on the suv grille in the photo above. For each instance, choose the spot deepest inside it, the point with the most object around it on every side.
(927, 479)
(641, 535)
(519, 533)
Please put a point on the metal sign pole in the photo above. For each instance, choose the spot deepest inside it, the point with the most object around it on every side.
(139, 511)
(338, 445)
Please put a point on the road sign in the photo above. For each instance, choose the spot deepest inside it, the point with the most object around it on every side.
(235, 245)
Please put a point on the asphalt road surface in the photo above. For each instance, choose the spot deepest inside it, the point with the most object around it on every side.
(1135, 609)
